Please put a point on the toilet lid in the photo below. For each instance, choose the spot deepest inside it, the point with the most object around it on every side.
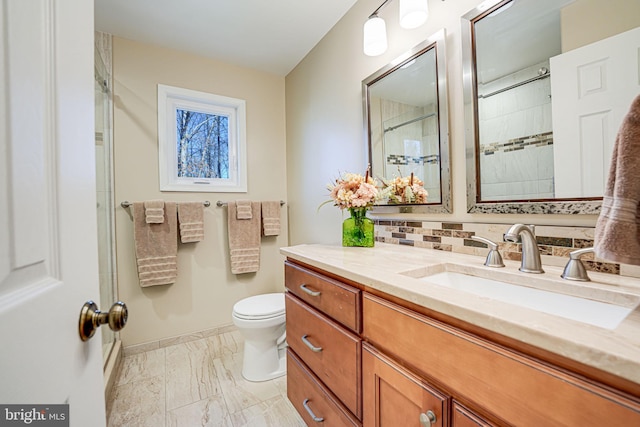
(260, 306)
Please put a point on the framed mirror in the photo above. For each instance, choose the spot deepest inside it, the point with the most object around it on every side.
(407, 127)
(546, 86)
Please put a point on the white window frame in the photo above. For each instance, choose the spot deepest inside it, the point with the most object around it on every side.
(170, 99)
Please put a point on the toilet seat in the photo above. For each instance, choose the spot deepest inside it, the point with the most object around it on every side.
(260, 307)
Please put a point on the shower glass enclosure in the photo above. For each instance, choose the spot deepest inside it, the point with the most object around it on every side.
(104, 182)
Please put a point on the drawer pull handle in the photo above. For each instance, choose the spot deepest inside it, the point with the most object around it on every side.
(313, 416)
(311, 346)
(309, 291)
(428, 419)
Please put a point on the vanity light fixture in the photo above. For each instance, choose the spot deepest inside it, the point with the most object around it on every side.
(375, 36)
(413, 13)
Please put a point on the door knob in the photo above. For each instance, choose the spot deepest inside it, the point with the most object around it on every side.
(91, 318)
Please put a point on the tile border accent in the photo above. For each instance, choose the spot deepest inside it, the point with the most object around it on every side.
(404, 160)
(518, 143)
(555, 242)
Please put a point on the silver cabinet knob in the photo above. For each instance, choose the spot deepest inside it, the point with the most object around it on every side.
(91, 318)
(427, 419)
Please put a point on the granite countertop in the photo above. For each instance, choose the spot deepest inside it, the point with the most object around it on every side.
(615, 349)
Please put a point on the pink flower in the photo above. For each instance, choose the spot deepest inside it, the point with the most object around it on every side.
(354, 191)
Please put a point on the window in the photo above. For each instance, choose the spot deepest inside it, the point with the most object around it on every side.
(202, 143)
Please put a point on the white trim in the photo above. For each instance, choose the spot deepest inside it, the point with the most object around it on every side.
(169, 99)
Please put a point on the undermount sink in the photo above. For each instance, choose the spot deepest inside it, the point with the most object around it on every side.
(598, 307)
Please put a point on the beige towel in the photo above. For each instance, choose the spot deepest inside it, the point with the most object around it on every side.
(154, 211)
(156, 246)
(617, 234)
(271, 218)
(244, 240)
(191, 218)
(243, 209)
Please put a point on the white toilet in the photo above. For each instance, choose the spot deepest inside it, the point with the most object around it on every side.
(261, 321)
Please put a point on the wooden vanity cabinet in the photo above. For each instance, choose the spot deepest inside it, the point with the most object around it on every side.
(500, 384)
(323, 322)
(463, 417)
(383, 364)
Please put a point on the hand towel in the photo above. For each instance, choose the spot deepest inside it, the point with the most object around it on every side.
(617, 234)
(244, 239)
(243, 210)
(154, 211)
(156, 246)
(191, 219)
(271, 218)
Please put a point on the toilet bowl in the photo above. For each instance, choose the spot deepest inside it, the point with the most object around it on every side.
(261, 321)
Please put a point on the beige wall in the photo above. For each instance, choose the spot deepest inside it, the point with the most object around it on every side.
(588, 21)
(204, 294)
(325, 134)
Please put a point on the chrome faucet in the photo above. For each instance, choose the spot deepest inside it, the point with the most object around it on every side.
(494, 259)
(574, 270)
(531, 262)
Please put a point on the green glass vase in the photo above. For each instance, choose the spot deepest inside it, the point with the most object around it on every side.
(358, 230)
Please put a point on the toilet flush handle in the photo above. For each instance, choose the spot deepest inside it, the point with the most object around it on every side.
(309, 291)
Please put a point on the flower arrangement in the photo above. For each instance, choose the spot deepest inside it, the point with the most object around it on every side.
(353, 190)
(402, 190)
(357, 194)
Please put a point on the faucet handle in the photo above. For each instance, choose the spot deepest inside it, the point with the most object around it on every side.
(494, 259)
(574, 270)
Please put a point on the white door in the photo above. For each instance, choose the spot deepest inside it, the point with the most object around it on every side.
(593, 87)
(48, 242)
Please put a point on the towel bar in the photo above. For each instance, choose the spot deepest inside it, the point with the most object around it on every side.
(220, 203)
(127, 204)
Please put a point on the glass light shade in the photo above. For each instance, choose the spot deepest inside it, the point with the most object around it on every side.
(375, 36)
(413, 13)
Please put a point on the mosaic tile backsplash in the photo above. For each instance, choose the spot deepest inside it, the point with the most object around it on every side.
(555, 242)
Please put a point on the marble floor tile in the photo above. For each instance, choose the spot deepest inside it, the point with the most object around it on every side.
(211, 412)
(197, 383)
(225, 344)
(275, 412)
(238, 392)
(138, 403)
(190, 374)
(141, 366)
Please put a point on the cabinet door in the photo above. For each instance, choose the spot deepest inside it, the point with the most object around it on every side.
(463, 417)
(393, 396)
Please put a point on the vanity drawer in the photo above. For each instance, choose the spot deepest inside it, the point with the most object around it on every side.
(339, 301)
(328, 349)
(498, 381)
(305, 390)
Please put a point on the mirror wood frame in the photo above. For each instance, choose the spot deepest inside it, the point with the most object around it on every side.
(554, 206)
(437, 42)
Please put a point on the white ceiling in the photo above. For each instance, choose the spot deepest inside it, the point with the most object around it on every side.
(271, 36)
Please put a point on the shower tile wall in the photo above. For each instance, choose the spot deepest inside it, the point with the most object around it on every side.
(412, 148)
(104, 189)
(515, 127)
